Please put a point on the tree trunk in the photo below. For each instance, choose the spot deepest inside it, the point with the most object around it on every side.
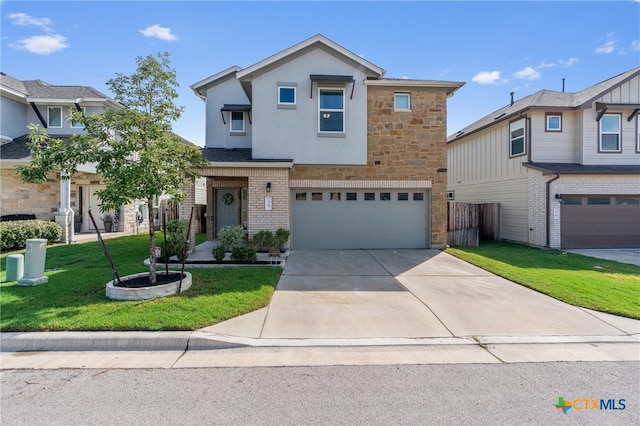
(152, 242)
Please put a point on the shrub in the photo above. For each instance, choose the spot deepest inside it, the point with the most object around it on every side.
(263, 240)
(176, 237)
(244, 254)
(218, 253)
(14, 234)
(231, 236)
(281, 238)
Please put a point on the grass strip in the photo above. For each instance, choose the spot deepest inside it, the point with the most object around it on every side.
(597, 284)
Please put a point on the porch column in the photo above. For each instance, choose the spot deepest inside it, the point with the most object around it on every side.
(64, 216)
(185, 211)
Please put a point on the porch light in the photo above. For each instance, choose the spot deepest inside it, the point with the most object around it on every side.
(268, 186)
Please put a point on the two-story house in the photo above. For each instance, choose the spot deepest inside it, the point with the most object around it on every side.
(564, 167)
(37, 102)
(315, 140)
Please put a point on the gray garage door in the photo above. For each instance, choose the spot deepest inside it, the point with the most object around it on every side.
(600, 221)
(360, 219)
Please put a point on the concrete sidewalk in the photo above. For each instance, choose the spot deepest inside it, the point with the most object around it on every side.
(359, 306)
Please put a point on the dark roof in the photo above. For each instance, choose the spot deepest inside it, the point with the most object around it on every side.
(577, 169)
(236, 155)
(330, 78)
(42, 89)
(16, 149)
(547, 99)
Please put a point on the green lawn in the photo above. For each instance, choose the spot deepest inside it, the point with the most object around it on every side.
(74, 298)
(597, 284)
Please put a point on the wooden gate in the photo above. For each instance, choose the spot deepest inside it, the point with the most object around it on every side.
(470, 223)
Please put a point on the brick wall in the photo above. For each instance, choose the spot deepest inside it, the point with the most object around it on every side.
(401, 146)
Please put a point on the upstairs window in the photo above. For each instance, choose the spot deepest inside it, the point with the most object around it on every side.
(554, 122)
(637, 133)
(237, 121)
(286, 96)
(610, 133)
(401, 102)
(78, 124)
(331, 111)
(517, 138)
(54, 117)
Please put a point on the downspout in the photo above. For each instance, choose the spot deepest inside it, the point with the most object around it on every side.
(549, 208)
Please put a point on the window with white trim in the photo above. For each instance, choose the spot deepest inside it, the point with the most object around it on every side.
(517, 138)
(237, 121)
(610, 133)
(554, 122)
(637, 133)
(401, 102)
(54, 117)
(78, 124)
(286, 95)
(331, 110)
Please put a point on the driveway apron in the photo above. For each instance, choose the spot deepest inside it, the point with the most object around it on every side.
(415, 294)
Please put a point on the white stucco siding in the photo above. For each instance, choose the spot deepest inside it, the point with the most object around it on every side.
(218, 131)
(13, 118)
(627, 93)
(480, 171)
(558, 147)
(67, 128)
(293, 133)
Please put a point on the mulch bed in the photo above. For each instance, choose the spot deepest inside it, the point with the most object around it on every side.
(143, 281)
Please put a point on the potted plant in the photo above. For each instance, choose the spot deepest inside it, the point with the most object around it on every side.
(77, 222)
(107, 220)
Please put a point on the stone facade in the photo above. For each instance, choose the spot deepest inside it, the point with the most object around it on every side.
(401, 146)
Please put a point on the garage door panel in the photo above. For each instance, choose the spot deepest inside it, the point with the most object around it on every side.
(610, 225)
(356, 224)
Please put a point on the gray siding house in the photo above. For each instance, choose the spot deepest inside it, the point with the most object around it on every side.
(313, 139)
(565, 167)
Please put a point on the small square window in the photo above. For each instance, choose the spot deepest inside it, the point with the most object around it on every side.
(78, 124)
(286, 95)
(402, 102)
(369, 196)
(418, 196)
(554, 122)
(301, 196)
(403, 196)
(352, 196)
(385, 196)
(335, 196)
(55, 117)
(316, 196)
(610, 132)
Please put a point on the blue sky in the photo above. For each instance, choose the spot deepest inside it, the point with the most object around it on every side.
(495, 47)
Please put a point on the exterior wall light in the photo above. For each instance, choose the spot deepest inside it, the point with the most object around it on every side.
(268, 186)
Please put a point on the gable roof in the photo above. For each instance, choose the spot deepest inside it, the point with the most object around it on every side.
(200, 88)
(548, 99)
(41, 91)
(316, 41)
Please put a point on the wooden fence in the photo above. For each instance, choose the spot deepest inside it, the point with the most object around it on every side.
(468, 224)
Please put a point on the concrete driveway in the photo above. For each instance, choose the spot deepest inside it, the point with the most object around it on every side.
(364, 294)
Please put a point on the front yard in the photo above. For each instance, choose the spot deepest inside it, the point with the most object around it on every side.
(597, 284)
(74, 298)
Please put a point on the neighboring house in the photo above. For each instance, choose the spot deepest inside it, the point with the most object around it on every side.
(565, 167)
(313, 139)
(37, 102)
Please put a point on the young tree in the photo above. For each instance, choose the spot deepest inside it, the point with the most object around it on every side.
(134, 149)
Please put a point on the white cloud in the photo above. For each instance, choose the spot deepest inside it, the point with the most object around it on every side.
(527, 73)
(24, 19)
(609, 46)
(635, 45)
(487, 77)
(544, 64)
(42, 45)
(163, 33)
(569, 62)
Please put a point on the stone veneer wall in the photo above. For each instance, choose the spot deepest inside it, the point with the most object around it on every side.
(41, 199)
(407, 146)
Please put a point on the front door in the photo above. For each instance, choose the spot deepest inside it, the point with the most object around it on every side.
(227, 208)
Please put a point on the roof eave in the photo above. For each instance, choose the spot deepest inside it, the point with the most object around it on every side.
(255, 164)
(450, 86)
(212, 81)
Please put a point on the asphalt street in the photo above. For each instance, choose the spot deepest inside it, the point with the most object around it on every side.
(395, 394)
